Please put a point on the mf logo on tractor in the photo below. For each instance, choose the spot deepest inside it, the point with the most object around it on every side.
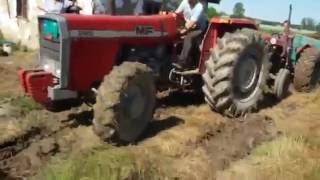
(144, 30)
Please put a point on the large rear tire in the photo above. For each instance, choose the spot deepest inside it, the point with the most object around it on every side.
(236, 73)
(125, 102)
(307, 70)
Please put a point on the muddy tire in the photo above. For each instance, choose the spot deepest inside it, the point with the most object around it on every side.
(282, 83)
(307, 70)
(125, 102)
(236, 73)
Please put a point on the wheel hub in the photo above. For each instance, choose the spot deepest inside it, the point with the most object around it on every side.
(132, 102)
(247, 74)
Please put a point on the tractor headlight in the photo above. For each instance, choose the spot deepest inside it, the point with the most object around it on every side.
(58, 72)
(273, 40)
(46, 67)
(51, 66)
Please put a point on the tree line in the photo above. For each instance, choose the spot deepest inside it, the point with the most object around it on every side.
(239, 10)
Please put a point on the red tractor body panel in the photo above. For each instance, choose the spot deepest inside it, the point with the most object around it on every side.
(86, 49)
(161, 23)
(93, 53)
(92, 63)
(217, 28)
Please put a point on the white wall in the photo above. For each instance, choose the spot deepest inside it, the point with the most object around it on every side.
(26, 30)
(19, 29)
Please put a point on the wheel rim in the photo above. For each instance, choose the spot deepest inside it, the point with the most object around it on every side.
(246, 77)
(282, 83)
(286, 84)
(247, 74)
(132, 102)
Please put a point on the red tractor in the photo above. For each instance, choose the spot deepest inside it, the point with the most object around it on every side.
(119, 58)
(294, 56)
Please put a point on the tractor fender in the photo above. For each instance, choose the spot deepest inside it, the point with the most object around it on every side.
(299, 50)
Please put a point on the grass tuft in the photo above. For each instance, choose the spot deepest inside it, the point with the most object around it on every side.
(23, 105)
(112, 164)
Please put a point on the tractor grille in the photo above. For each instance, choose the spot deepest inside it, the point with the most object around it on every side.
(49, 50)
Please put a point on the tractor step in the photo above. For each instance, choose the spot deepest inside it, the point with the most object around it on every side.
(182, 77)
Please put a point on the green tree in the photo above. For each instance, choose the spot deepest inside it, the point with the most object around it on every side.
(318, 27)
(308, 23)
(238, 10)
(212, 12)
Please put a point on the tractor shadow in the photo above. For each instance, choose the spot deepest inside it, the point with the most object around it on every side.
(154, 128)
(83, 118)
(158, 126)
(270, 101)
(172, 99)
(181, 99)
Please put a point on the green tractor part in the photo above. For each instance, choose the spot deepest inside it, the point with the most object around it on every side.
(293, 56)
(301, 42)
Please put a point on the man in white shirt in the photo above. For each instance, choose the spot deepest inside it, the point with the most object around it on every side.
(99, 6)
(55, 6)
(196, 24)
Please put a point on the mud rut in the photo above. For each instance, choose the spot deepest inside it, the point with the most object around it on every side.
(231, 140)
(22, 157)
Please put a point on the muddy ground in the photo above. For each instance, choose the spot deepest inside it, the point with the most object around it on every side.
(186, 139)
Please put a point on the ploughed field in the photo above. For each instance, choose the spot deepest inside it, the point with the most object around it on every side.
(186, 140)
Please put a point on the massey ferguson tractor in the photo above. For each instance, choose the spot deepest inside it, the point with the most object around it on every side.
(124, 60)
(293, 55)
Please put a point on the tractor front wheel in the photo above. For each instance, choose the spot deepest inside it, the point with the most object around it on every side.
(125, 102)
(307, 70)
(236, 73)
(282, 83)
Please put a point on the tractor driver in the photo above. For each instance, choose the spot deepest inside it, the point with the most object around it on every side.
(195, 25)
(286, 29)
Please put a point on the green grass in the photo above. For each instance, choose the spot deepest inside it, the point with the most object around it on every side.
(6, 95)
(295, 154)
(287, 158)
(23, 105)
(314, 174)
(277, 29)
(102, 164)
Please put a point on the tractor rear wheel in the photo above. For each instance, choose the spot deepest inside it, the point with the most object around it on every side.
(236, 73)
(125, 102)
(307, 70)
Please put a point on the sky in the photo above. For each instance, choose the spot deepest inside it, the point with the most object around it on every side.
(275, 10)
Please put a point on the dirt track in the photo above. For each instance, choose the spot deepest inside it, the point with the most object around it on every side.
(190, 140)
(71, 131)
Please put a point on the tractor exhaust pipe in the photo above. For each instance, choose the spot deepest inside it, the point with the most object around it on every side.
(290, 14)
